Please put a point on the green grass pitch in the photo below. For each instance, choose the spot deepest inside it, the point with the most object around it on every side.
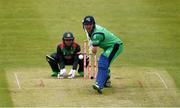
(146, 74)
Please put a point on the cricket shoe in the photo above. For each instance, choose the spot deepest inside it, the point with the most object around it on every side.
(107, 84)
(81, 74)
(96, 87)
(54, 74)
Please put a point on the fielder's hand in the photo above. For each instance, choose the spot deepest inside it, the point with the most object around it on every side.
(72, 73)
(61, 74)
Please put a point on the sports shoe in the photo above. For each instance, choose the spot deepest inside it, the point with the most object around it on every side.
(96, 87)
(81, 74)
(107, 84)
(54, 74)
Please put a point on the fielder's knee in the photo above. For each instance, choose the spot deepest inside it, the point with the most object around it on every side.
(50, 59)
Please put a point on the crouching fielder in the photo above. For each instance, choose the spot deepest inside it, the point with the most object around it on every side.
(112, 46)
(67, 54)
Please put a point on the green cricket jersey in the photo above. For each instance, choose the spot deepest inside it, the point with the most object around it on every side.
(104, 39)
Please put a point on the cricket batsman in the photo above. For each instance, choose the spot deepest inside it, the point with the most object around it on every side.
(68, 53)
(112, 46)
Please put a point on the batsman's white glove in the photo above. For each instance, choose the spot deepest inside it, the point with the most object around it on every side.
(90, 43)
(62, 73)
(90, 46)
(90, 49)
(72, 73)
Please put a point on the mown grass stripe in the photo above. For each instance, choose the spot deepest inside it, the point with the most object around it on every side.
(5, 97)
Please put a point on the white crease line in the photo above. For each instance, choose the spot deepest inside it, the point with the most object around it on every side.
(165, 85)
(44, 88)
(17, 81)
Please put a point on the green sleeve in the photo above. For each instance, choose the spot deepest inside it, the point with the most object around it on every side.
(97, 38)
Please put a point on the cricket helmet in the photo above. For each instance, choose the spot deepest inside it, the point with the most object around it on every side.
(88, 20)
(68, 35)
